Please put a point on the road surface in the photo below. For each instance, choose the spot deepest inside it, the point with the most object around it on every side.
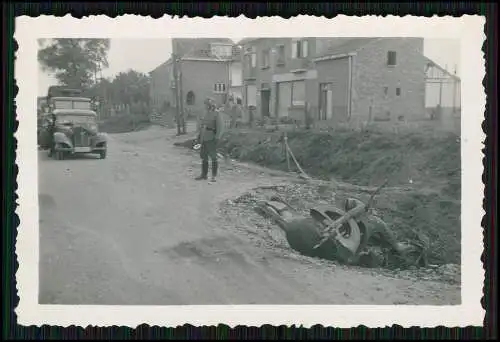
(136, 229)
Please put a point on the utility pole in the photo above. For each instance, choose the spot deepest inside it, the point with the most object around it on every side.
(440, 92)
(455, 91)
(181, 102)
(176, 85)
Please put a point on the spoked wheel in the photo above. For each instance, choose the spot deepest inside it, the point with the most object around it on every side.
(348, 240)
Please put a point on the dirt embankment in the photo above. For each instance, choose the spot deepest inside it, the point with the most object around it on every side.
(423, 169)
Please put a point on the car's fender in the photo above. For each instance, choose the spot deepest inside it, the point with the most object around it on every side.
(61, 138)
(100, 137)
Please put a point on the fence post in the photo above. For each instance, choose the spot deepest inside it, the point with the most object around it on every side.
(285, 139)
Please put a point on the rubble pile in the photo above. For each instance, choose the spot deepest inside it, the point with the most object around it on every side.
(302, 197)
(449, 273)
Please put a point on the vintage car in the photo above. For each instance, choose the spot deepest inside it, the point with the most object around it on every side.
(75, 131)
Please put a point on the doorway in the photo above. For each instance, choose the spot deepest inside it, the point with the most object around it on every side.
(190, 98)
(284, 98)
(325, 101)
(265, 96)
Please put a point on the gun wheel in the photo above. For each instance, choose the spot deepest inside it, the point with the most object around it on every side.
(349, 239)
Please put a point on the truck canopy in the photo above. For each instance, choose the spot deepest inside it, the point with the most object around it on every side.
(75, 112)
(62, 91)
(67, 98)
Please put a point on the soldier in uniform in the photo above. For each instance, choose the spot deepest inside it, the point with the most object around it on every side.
(211, 129)
(51, 131)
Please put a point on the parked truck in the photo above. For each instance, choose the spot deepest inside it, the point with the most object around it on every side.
(70, 125)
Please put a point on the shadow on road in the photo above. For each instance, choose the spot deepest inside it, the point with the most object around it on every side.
(44, 155)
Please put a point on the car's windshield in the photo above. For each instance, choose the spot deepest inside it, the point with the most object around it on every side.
(71, 104)
(75, 119)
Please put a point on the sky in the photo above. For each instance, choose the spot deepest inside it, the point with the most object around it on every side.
(144, 55)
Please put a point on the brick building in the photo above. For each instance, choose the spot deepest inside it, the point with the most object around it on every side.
(373, 79)
(206, 68)
(340, 78)
(274, 69)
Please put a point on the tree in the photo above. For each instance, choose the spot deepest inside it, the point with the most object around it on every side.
(74, 61)
(131, 87)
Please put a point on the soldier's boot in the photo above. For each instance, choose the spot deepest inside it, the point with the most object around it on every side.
(204, 171)
(215, 167)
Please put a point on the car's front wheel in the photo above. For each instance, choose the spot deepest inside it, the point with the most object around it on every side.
(102, 154)
(59, 155)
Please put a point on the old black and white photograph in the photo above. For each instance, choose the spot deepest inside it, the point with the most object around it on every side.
(251, 169)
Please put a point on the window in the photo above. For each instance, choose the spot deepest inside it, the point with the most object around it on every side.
(251, 60)
(250, 57)
(81, 105)
(398, 91)
(305, 49)
(190, 98)
(251, 95)
(265, 58)
(236, 74)
(298, 93)
(63, 104)
(221, 50)
(280, 54)
(219, 88)
(391, 58)
(300, 49)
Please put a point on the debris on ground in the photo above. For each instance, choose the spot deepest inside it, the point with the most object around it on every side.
(241, 212)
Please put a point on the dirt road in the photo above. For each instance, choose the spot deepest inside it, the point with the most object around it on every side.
(135, 228)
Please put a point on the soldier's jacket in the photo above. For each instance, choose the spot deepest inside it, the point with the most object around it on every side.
(211, 126)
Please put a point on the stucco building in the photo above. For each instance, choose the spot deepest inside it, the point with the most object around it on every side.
(339, 78)
(206, 68)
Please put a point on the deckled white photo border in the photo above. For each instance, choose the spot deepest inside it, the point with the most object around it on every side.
(470, 31)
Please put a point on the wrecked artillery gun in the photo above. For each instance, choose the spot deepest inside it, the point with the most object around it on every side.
(344, 234)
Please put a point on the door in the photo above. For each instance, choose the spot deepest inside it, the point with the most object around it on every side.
(338, 100)
(284, 98)
(325, 102)
(265, 97)
(329, 104)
